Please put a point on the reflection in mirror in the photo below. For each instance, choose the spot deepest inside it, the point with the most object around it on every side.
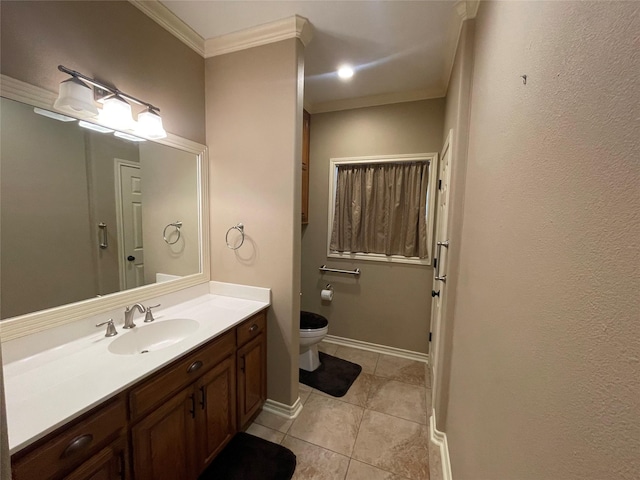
(84, 214)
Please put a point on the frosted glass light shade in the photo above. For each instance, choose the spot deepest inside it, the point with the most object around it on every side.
(150, 125)
(76, 96)
(116, 113)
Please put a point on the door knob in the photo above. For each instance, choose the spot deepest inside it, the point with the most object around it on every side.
(435, 294)
(131, 258)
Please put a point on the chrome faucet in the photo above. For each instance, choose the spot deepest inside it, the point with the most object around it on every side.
(128, 314)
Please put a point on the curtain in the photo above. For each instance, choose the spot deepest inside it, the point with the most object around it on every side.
(381, 208)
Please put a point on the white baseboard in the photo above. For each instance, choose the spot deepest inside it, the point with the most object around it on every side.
(374, 347)
(282, 410)
(439, 439)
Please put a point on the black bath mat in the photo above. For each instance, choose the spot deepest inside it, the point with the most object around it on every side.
(334, 376)
(248, 457)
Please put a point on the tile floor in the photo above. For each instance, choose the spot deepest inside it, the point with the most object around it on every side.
(377, 431)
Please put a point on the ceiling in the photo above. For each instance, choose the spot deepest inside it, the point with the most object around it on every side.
(400, 50)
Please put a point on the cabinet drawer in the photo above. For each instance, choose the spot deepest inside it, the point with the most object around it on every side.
(73, 445)
(179, 374)
(251, 328)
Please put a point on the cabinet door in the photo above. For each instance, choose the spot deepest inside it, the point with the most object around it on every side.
(108, 464)
(252, 379)
(163, 442)
(216, 402)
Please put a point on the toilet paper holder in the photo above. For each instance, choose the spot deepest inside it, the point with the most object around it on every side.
(327, 293)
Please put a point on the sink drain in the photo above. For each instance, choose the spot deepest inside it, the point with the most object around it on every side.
(144, 351)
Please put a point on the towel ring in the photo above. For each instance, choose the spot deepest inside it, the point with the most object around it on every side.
(177, 226)
(239, 227)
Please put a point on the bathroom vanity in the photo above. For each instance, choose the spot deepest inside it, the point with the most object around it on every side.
(166, 424)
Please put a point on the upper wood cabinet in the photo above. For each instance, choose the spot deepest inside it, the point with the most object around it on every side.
(306, 135)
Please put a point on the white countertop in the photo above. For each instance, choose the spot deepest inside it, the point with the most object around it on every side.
(48, 389)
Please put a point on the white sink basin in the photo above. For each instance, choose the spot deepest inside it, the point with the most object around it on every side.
(154, 336)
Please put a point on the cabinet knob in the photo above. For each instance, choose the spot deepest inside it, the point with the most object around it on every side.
(77, 444)
(253, 328)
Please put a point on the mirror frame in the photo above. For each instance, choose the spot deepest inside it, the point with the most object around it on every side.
(15, 327)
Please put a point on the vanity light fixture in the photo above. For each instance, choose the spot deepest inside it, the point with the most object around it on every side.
(150, 125)
(116, 112)
(76, 97)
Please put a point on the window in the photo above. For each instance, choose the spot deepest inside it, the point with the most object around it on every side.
(382, 208)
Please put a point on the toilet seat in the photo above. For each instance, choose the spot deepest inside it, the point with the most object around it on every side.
(310, 321)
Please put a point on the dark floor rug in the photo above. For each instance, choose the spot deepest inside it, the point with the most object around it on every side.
(248, 457)
(334, 376)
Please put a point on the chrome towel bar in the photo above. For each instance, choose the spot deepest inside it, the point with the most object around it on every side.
(355, 272)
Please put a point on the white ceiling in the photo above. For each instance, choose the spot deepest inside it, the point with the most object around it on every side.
(401, 50)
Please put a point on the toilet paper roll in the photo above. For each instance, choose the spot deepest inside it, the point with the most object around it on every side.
(326, 295)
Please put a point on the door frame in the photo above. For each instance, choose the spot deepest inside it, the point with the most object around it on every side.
(119, 162)
(437, 340)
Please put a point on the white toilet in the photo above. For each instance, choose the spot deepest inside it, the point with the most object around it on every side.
(313, 328)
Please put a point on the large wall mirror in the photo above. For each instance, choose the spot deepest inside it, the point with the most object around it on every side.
(88, 220)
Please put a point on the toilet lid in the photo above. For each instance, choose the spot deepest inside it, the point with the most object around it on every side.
(312, 321)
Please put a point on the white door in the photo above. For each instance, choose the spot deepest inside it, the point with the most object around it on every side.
(440, 271)
(128, 184)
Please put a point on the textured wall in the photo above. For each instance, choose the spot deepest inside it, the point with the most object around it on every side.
(113, 42)
(545, 374)
(390, 303)
(456, 118)
(254, 132)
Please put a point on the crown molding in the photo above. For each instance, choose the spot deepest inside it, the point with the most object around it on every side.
(170, 22)
(466, 10)
(291, 27)
(375, 100)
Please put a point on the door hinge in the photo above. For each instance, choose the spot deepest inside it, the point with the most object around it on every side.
(429, 336)
(439, 184)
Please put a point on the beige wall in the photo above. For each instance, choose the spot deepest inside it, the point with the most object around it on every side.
(169, 193)
(254, 133)
(456, 118)
(544, 369)
(389, 304)
(113, 42)
(45, 213)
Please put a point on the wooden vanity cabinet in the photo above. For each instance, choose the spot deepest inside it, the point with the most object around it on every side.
(178, 438)
(176, 422)
(92, 447)
(251, 368)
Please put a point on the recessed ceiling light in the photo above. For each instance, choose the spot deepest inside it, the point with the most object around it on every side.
(345, 72)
